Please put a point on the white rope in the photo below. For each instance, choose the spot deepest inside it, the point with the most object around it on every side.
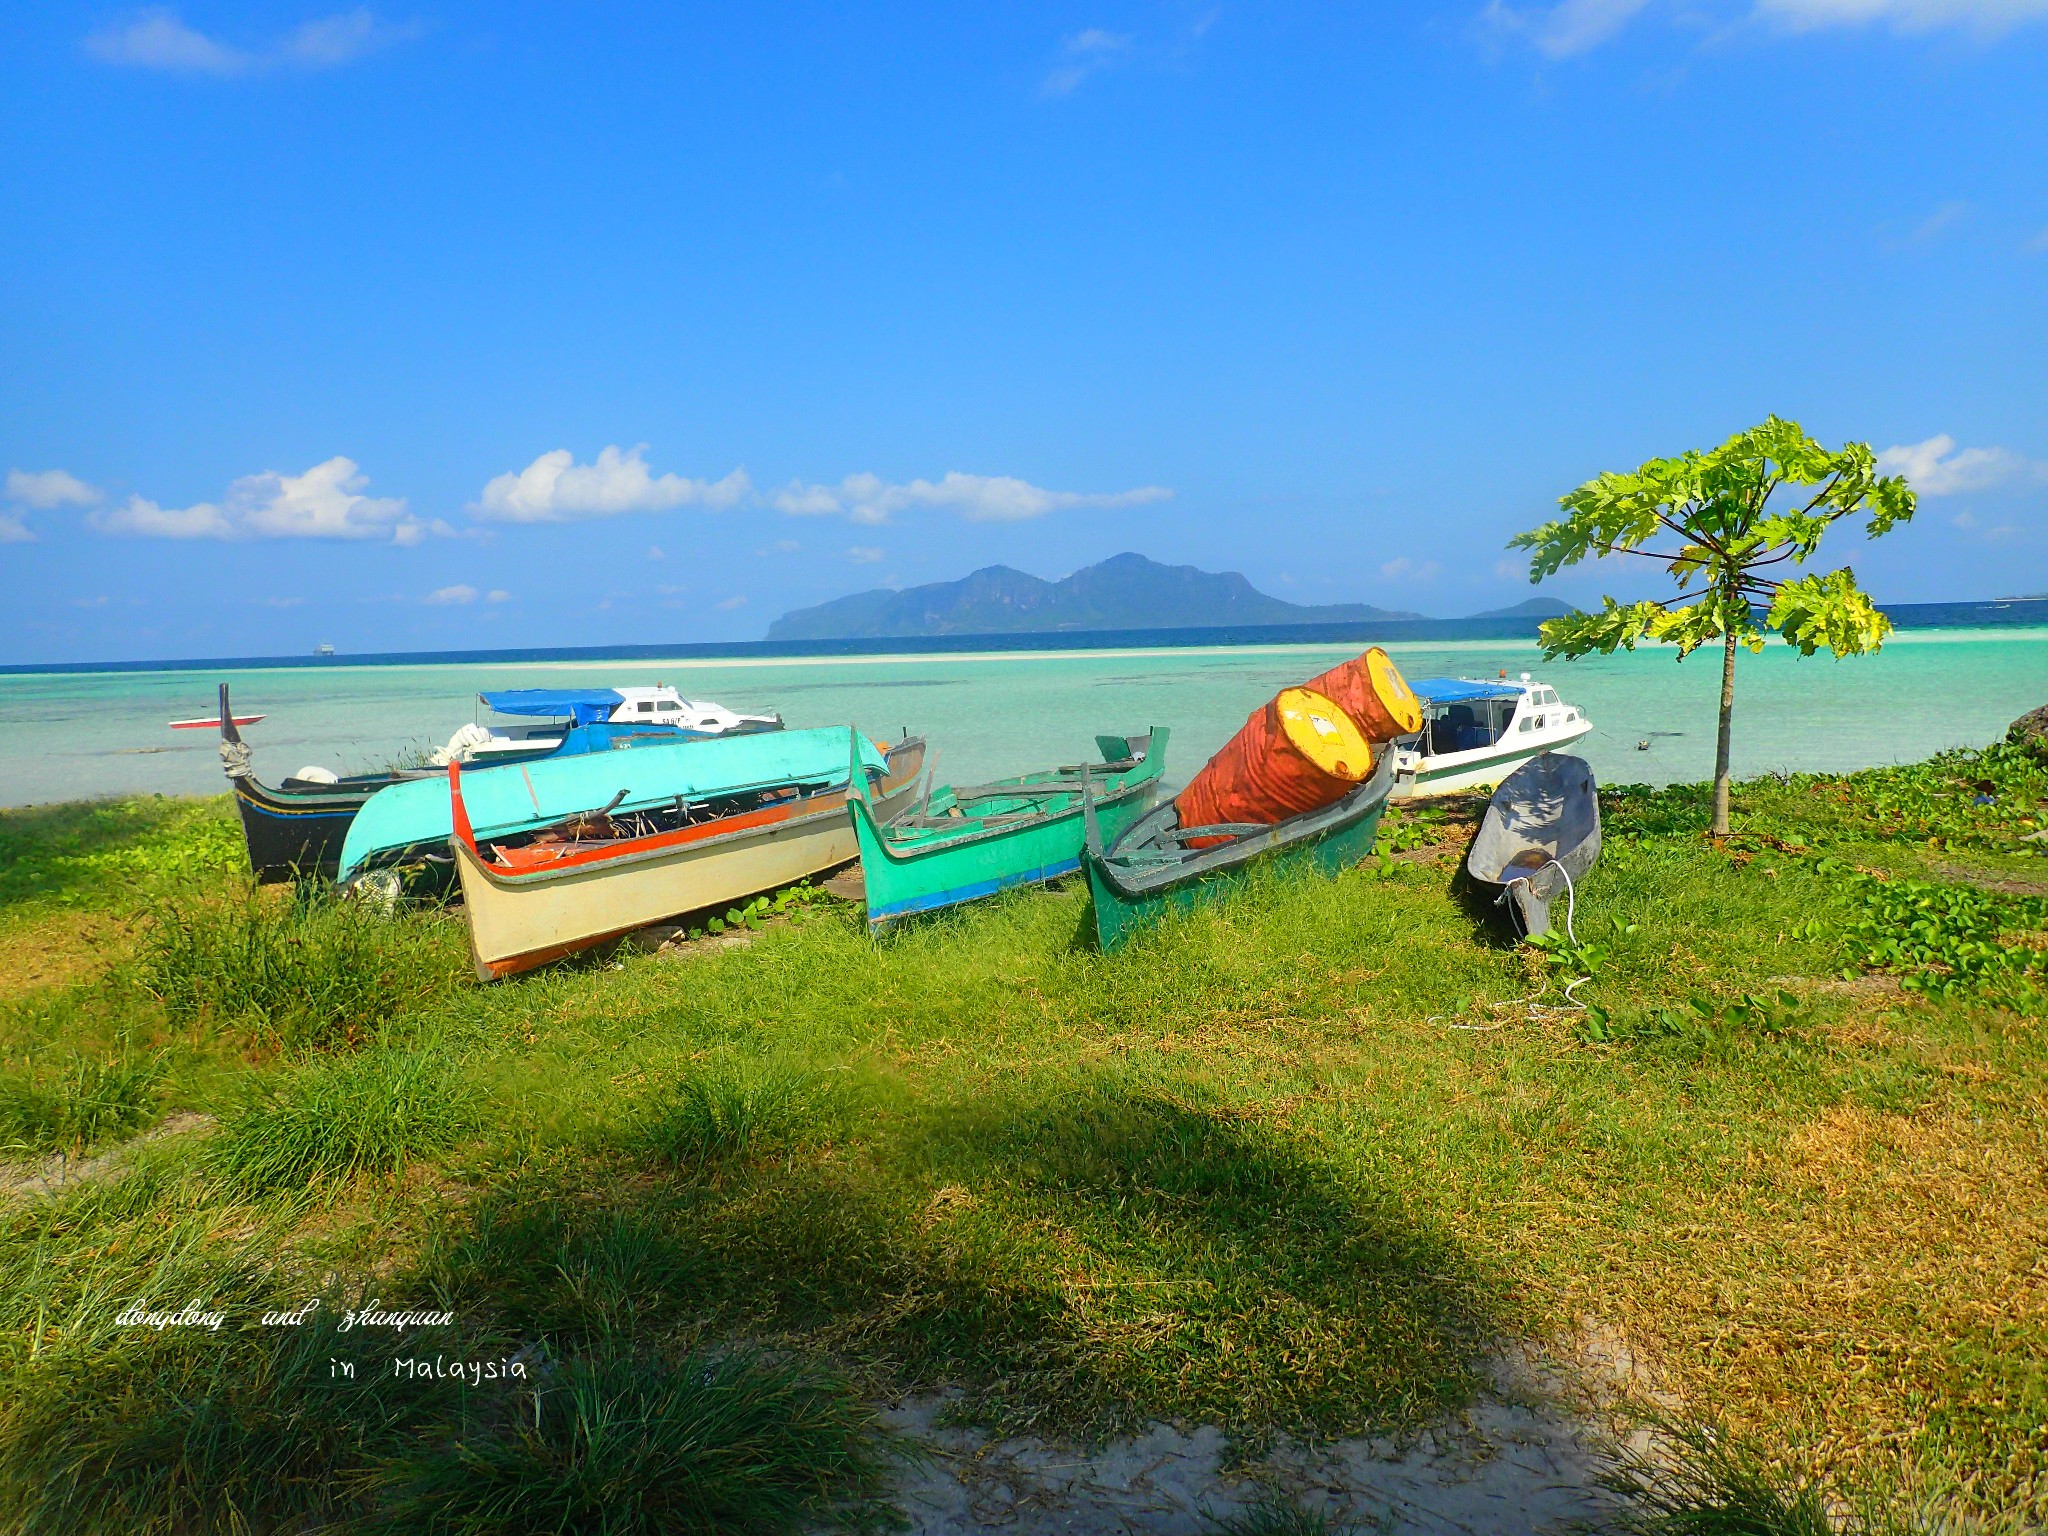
(1533, 1011)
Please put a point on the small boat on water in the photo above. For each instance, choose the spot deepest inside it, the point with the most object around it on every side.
(1151, 869)
(591, 720)
(212, 722)
(1475, 733)
(1540, 837)
(601, 873)
(399, 840)
(964, 842)
(298, 826)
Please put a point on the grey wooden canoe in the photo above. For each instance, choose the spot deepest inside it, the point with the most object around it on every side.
(1542, 825)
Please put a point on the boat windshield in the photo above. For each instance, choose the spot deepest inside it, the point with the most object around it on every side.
(1466, 726)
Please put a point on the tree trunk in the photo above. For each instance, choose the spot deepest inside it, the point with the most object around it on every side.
(1720, 829)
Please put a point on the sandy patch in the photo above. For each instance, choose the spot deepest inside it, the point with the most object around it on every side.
(1516, 1462)
(53, 1175)
(1990, 880)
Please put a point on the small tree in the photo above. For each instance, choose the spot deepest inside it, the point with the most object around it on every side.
(1717, 505)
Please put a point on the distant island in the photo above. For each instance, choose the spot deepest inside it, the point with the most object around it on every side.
(1534, 608)
(1125, 591)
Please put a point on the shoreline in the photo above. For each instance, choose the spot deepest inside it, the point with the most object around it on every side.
(680, 659)
(1916, 619)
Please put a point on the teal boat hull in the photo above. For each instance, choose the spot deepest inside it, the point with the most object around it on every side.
(1026, 838)
(1137, 878)
(411, 820)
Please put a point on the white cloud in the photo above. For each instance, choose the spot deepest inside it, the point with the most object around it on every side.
(1571, 27)
(737, 600)
(497, 595)
(1931, 227)
(864, 554)
(323, 503)
(1564, 29)
(458, 594)
(48, 489)
(1402, 568)
(157, 38)
(326, 502)
(781, 547)
(1082, 55)
(800, 500)
(341, 39)
(1937, 467)
(139, 515)
(554, 488)
(14, 531)
(1983, 17)
(978, 498)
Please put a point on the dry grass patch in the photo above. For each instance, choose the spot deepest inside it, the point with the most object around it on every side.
(41, 949)
(1863, 1294)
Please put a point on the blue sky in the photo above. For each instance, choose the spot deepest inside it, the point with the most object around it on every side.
(467, 325)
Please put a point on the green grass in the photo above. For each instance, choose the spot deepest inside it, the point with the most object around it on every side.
(1695, 1479)
(298, 967)
(728, 1111)
(102, 851)
(1280, 1517)
(633, 1445)
(1296, 1164)
(186, 1431)
(81, 1101)
(329, 1122)
(1699, 1482)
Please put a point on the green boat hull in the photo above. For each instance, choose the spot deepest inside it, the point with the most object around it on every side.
(1131, 895)
(1025, 831)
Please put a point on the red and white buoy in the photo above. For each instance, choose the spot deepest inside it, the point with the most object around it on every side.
(212, 723)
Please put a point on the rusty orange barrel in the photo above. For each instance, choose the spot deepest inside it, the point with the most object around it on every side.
(1298, 754)
(1372, 691)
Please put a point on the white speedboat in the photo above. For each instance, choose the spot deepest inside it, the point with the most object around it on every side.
(1475, 733)
(590, 719)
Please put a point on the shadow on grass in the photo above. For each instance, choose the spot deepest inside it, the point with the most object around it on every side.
(1479, 903)
(1087, 1259)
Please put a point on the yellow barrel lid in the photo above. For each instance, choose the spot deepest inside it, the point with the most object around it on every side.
(1394, 693)
(1324, 734)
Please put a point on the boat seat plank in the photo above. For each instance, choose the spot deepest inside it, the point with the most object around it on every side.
(963, 792)
(1220, 829)
(926, 823)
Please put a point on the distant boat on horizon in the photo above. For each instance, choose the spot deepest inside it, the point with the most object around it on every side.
(323, 649)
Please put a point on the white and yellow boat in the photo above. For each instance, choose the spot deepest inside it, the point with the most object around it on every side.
(1475, 733)
(598, 876)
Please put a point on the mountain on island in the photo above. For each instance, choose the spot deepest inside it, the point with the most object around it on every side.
(1534, 608)
(1123, 592)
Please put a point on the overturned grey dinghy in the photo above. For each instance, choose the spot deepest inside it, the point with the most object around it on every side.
(1542, 826)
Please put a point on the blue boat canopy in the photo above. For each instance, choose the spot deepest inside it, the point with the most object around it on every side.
(1456, 690)
(585, 706)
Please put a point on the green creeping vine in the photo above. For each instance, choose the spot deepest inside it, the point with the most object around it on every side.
(1991, 800)
(755, 912)
(1705, 1020)
(1947, 941)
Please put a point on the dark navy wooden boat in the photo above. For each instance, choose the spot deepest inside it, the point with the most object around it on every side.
(295, 827)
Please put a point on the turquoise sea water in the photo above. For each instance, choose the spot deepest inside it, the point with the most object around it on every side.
(74, 735)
